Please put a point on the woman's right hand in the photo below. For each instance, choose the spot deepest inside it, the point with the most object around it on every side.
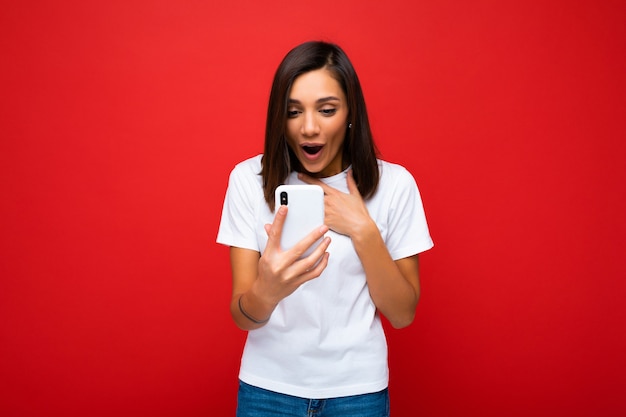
(260, 282)
(280, 272)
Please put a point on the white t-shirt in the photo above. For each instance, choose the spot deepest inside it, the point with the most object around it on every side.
(326, 339)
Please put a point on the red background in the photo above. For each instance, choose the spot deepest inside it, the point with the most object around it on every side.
(120, 121)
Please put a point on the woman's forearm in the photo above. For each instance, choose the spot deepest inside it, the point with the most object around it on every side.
(394, 288)
(249, 311)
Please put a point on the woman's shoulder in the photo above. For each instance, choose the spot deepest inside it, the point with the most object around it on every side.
(252, 164)
(247, 173)
(248, 168)
(393, 172)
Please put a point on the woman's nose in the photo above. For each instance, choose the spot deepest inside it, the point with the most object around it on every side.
(310, 125)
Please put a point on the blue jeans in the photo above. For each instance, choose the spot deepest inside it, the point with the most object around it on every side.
(259, 402)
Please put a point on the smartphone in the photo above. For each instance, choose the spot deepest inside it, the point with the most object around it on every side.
(305, 213)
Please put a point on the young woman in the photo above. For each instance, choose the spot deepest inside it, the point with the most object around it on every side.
(315, 342)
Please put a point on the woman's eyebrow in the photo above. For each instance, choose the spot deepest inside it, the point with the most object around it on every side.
(318, 101)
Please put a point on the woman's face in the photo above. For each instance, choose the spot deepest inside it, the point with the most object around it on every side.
(317, 116)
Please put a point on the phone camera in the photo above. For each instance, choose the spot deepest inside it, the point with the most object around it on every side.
(283, 198)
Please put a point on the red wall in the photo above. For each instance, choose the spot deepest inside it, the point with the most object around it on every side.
(120, 121)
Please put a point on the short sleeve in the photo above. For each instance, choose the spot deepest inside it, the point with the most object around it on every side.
(408, 232)
(237, 225)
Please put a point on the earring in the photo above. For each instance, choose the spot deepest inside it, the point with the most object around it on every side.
(349, 125)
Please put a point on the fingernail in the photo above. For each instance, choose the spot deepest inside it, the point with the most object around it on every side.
(324, 229)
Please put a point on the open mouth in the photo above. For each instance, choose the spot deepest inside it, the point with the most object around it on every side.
(312, 149)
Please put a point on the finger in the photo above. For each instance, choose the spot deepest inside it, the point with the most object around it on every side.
(317, 270)
(275, 230)
(352, 187)
(305, 265)
(315, 181)
(309, 240)
(310, 180)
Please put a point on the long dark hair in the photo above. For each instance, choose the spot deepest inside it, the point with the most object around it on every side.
(358, 147)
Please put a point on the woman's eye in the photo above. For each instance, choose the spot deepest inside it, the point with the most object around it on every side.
(292, 113)
(328, 112)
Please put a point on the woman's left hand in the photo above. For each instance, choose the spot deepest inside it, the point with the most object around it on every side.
(393, 285)
(343, 213)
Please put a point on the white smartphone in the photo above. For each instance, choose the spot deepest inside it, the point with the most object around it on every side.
(305, 204)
